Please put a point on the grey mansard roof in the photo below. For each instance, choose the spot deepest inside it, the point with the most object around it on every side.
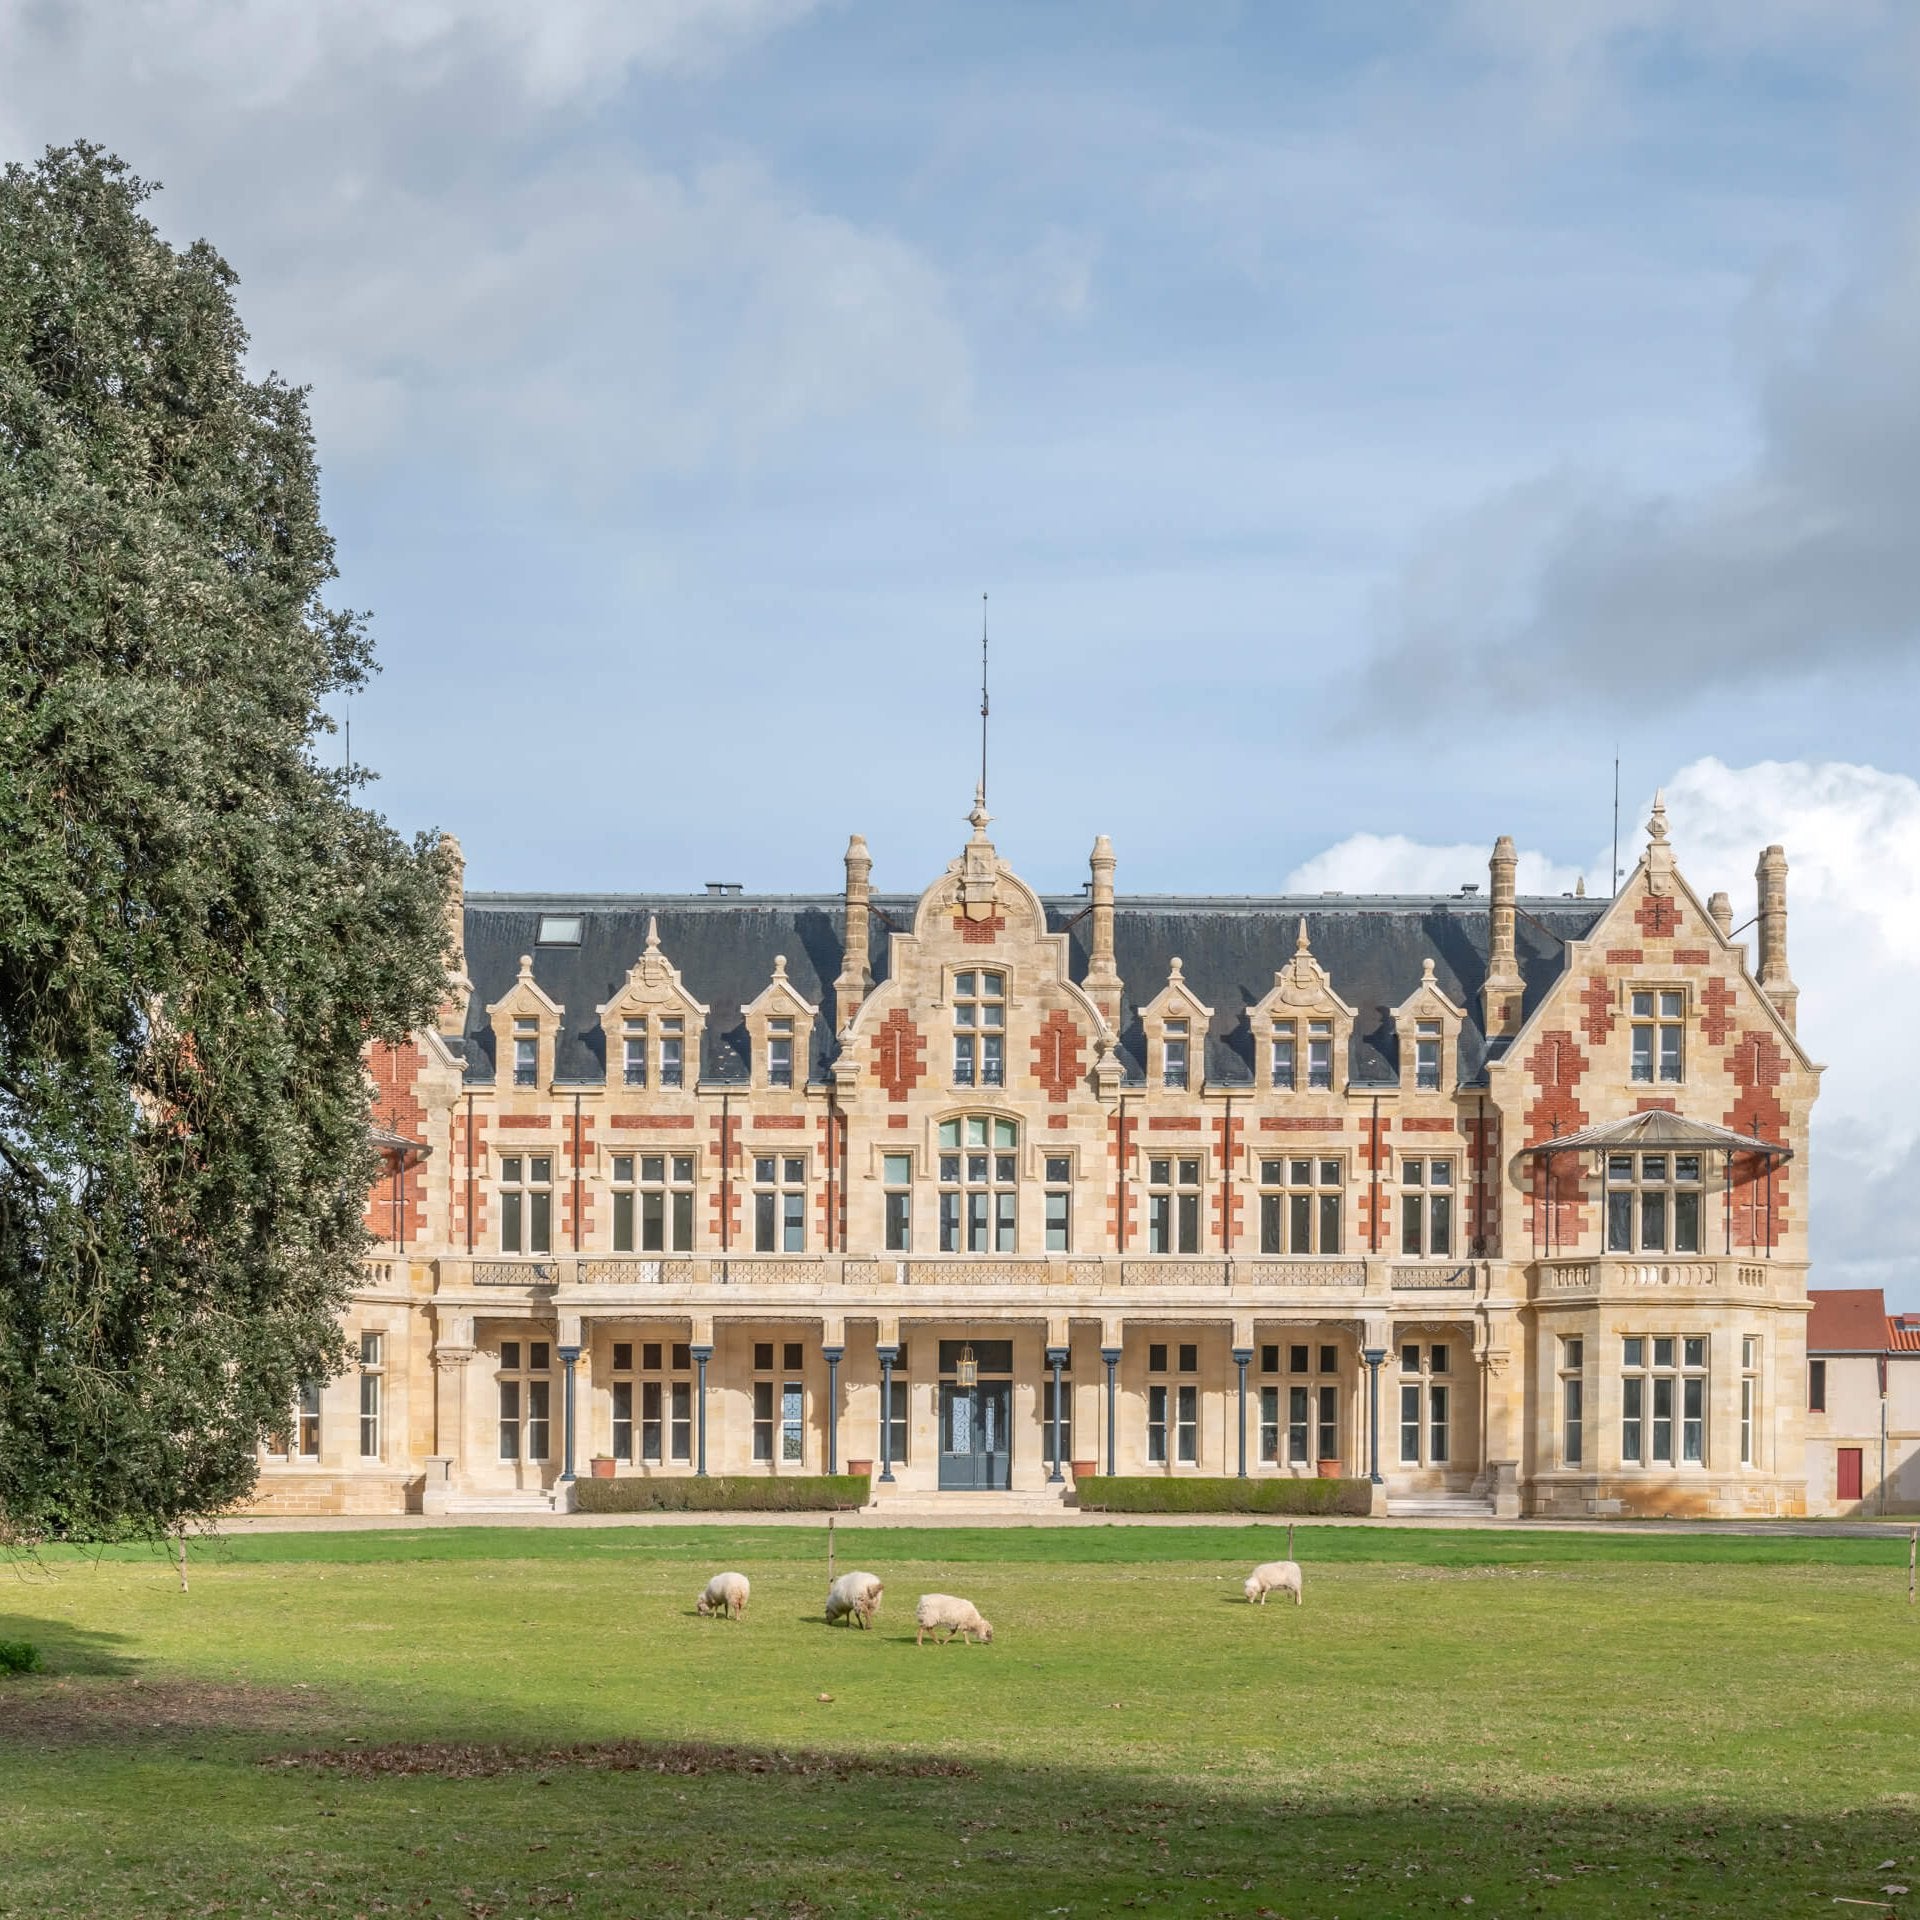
(1371, 945)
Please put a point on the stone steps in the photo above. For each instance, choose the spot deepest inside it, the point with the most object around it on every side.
(1439, 1506)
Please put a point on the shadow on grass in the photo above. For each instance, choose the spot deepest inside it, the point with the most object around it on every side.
(65, 1648)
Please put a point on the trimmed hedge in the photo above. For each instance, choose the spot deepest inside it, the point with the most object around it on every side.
(724, 1493)
(1165, 1493)
(19, 1656)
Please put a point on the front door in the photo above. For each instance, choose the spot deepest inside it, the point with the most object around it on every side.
(1848, 1476)
(974, 1448)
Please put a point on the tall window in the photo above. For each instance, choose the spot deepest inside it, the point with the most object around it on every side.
(1426, 1207)
(979, 1029)
(1173, 1055)
(780, 1204)
(895, 1416)
(673, 1046)
(300, 1438)
(1059, 1171)
(1816, 1386)
(1573, 1403)
(664, 1393)
(1310, 1399)
(1319, 1053)
(1300, 1206)
(1426, 1053)
(1658, 1031)
(634, 1064)
(979, 1165)
(526, 1053)
(1663, 1386)
(1173, 1409)
(526, 1203)
(1749, 1398)
(373, 1368)
(896, 1171)
(526, 1399)
(1653, 1202)
(1173, 1206)
(1426, 1404)
(779, 1404)
(1066, 1415)
(779, 1053)
(1283, 1066)
(653, 1203)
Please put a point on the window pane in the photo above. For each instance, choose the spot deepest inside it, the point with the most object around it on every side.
(1300, 1225)
(1440, 1223)
(1329, 1223)
(1409, 1426)
(1437, 1425)
(1669, 1006)
(898, 1168)
(1653, 1222)
(1633, 1352)
(1694, 1350)
(1670, 1054)
(1642, 1054)
(1686, 1223)
(1270, 1223)
(1329, 1173)
(1663, 1350)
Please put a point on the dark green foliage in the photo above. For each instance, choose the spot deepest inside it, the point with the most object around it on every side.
(199, 931)
(791, 1493)
(1157, 1493)
(19, 1656)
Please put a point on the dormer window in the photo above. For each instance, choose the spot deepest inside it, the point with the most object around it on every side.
(1426, 1052)
(672, 1052)
(1173, 1055)
(1285, 1044)
(779, 1053)
(979, 1029)
(634, 1065)
(1320, 1053)
(526, 1053)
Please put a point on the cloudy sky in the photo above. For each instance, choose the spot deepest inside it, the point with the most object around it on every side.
(1366, 419)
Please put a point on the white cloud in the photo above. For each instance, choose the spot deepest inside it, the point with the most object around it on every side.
(1852, 836)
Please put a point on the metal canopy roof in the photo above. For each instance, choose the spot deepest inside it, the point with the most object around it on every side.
(1656, 1132)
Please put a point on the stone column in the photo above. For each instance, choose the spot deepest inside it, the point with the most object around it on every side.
(888, 1355)
(832, 1357)
(701, 1355)
(1111, 1355)
(1056, 1359)
(1242, 1358)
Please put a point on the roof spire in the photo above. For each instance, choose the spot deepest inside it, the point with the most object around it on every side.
(1657, 824)
(980, 798)
(653, 933)
(1302, 944)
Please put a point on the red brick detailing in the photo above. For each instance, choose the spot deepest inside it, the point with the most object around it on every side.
(725, 1229)
(830, 1195)
(1227, 1137)
(1371, 1160)
(1122, 1208)
(979, 933)
(899, 1054)
(1658, 916)
(458, 1165)
(1274, 1123)
(1557, 1067)
(1174, 1123)
(1058, 1055)
(397, 1202)
(1597, 999)
(1624, 956)
(1654, 1103)
(1483, 1183)
(653, 1122)
(525, 1120)
(1716, 1011)
(780, 1123)
(1053, 1120)
(1427, 1126)
(1691, 956)
(1760, 1186)
(899, 1120)
(576, 1153)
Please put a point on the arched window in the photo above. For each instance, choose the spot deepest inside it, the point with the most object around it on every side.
(979, 1175)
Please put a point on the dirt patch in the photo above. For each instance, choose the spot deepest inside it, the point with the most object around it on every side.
(74, 1712)
(459, 1761)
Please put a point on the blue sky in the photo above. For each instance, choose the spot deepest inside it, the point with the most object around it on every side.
(1364, 417)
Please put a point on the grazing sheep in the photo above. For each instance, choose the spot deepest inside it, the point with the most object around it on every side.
(855, 1596)
(1275, 1576)
(726, 1593)
(962, 1617)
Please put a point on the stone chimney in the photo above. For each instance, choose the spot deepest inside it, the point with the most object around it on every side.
(1775, 981)
(1720, 911)
(856, 975)
(1103, 978)
(453, 1009)
(1501, 997)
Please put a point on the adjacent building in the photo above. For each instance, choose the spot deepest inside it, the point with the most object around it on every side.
(1499, 1201)
(1863, 1404)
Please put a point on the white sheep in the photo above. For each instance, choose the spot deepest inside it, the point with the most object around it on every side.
(1274, 1576)
(855, 1596)
(726, 1593)
(962, 1617)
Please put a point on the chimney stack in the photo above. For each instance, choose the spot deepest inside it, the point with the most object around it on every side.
(453, 1009)
(1775, 981)
(1720, 910)
(856, 976)
(1500, 998)
(1103, 978)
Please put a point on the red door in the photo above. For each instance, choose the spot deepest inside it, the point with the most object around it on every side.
(1847, 1473)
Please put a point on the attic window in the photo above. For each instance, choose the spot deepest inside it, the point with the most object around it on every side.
(558, 930)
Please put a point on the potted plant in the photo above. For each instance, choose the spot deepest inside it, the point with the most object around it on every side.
(602, 1466)
(1083, 1469)
(858, 1467)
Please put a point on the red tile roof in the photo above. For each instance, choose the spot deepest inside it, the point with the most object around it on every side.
(1847, 1320)
(1903, 1333)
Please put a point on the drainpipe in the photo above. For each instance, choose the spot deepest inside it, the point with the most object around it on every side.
(1373, 1160)
(469, 1176)
(1056, 1359)
(1480, 1180)
(1226, 1195)
(887, 1357)
(701, 1355)
(1373, 1356)
(1241, 1357)
(576, 1207)
(830, 1186)
(832, 1357)
(726, 1179)
(1111, 1355)
(1120, 1182)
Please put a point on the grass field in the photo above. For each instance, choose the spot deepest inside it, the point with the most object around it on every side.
(498, 1722)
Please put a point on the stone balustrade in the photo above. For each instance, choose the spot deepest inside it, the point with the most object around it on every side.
(1633, 1275)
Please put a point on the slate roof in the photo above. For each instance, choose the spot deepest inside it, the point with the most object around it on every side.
(724, 946)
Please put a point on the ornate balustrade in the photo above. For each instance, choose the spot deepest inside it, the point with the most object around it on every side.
(1621, 1273)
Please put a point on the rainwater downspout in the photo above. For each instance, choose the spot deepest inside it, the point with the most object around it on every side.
(469, 1175)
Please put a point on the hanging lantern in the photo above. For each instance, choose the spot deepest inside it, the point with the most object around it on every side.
(967, 1373)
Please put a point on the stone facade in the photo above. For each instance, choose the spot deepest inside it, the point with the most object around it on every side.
(1268, 1186)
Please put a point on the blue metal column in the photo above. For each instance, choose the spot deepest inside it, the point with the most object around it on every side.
(833, 1406)
(887, 1356)
(1111, 1355)
(569, 1359)
(1373, 1356)
(1241, 1357)
(701, 1355)
(1056, 1359)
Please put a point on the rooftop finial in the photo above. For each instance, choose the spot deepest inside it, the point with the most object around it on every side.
(653, 933)
(1303, 944)
(1657, 823)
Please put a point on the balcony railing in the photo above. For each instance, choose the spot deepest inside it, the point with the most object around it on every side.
(1560, 1279)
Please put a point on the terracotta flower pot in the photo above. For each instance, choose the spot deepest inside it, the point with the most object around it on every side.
(860, 1466)
(602, 1465)
(1329, 1469)
(1084, 1469)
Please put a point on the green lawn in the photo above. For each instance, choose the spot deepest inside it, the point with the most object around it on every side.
(494, 1722)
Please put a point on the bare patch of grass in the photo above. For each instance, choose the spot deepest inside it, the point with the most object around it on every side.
(463, 1760)
(84, 1712)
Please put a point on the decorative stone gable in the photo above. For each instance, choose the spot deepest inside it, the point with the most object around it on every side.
(654, 1009)
(524, 1015)
(1175, 1023)
(1428, 1017)
(1302, 996)
(779, 1012)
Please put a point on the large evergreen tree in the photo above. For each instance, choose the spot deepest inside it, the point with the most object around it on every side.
(199, 930)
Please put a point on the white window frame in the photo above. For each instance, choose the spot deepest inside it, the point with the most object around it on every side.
(1057, 1202)
(1573, 1400)
(1176, 1213)
(779, 1203)
(979, 1027)
(1294, 1187)
(653, 1202)
(1426, 1388)
(1428, 1188)
(524, 1386)
(979, 1183)
(1283, 1057)
(518, 1181)
(896, 1202)
(1647, 1188)
(1670, 1371)
(373, 1371)
(1656, 1036)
